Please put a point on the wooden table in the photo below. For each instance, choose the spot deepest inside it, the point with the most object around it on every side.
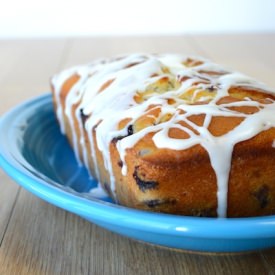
(39, 238)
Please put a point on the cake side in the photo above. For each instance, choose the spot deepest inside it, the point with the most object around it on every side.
(172, 182)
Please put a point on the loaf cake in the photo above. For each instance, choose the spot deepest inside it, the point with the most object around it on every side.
(172, 134)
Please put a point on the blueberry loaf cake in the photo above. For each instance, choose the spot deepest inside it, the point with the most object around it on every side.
(173, 134)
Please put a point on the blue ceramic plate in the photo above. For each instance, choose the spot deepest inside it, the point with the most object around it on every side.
(35, 154)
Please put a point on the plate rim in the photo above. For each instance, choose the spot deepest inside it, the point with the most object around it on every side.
(167, 224)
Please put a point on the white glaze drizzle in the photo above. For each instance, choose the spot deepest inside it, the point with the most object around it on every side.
(98, 192)
(117, 101)
(57, 83)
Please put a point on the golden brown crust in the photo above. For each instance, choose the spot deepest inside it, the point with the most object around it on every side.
(183, 182)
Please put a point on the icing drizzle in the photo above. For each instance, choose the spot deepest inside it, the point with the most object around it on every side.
(177, 87)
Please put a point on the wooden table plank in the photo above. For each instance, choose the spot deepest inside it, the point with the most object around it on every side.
(36, 60)
(8, 195)
(27, 66)
(250, 54)
(268, 257)
(9, 53)
(86, 49)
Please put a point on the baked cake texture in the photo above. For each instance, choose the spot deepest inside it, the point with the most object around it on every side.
(173, 134)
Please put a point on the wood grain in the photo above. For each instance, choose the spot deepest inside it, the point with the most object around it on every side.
(250, 54)
(86, 49)
(27, 66)
(8, 196)
(39, 238)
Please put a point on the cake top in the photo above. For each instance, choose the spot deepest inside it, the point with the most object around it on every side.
(128, 97)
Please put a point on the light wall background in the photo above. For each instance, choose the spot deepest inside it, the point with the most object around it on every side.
(59, 18)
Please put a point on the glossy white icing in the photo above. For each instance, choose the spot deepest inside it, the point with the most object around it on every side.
(98, 192)
(106, 91)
